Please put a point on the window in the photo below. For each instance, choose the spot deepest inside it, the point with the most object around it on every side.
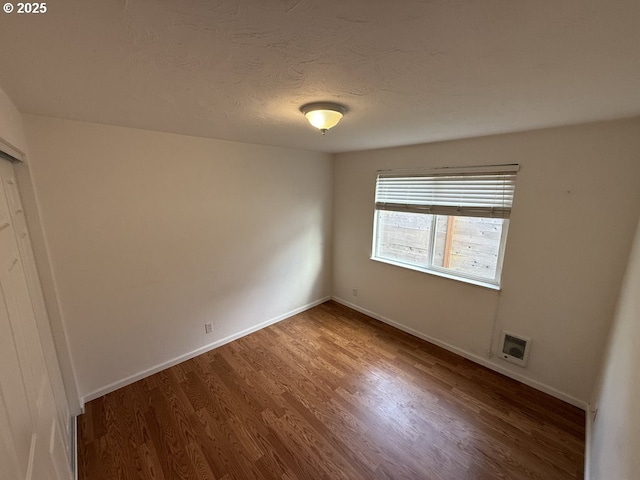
(450, 222)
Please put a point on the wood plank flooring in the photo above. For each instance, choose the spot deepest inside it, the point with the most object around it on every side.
(329, 394)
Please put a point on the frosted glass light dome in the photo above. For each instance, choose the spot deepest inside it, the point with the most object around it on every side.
(323, 116)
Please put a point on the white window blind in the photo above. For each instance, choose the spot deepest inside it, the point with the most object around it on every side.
(475, 192)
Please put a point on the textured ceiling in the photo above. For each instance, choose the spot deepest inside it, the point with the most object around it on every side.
(410, 71)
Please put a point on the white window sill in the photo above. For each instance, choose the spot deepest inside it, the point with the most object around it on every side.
(437, 273)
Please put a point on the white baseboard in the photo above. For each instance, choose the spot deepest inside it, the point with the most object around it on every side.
(471, 356)
(199, 351)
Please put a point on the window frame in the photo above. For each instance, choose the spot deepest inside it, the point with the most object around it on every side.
(436, 270)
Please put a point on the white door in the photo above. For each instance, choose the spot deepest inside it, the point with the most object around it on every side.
(32, 444)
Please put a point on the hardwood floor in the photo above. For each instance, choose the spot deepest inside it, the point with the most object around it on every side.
(329, 394)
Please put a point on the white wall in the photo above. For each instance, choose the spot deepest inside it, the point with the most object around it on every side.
(11, 128)
(615, 433)
(151, 235)
(576, 204)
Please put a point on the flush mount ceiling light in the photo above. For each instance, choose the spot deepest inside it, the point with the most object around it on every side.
(323, 115)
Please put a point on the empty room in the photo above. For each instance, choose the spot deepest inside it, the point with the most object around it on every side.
(319, 240)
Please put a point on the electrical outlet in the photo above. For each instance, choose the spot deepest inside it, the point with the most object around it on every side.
(208, 327)
(355, 292)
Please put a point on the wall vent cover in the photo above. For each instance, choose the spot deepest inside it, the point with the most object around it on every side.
(514, 348)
